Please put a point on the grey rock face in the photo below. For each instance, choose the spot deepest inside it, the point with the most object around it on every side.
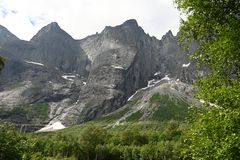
(123, 60)
(44, 62)
(85, 79)
(58, 49)
(6, 35)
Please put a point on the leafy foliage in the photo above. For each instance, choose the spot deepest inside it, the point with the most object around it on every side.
(11, 143)
(93, 141)
(215, 25)
(214, 135)
(2, 60)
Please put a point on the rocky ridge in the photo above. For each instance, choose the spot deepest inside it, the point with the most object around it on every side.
(81, 80)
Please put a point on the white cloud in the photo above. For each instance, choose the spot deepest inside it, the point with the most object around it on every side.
(84, 17)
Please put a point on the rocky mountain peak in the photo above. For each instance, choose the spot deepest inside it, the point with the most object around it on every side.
(50, 31)
(128, 32)
(168, 37)
(55, 48)
(130, 23)
(51, 27)
(169, 33)
(6, 35)
(3, 29)
(80, 80)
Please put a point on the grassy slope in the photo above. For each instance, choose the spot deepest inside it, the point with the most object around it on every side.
(159, 108)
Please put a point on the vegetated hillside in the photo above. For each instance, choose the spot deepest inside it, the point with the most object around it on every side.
(149, 126)
(163, 100)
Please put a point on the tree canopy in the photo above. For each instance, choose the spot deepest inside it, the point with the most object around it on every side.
(1, 63)
(215, 25)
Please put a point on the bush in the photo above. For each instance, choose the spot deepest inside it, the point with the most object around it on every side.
(12, 144)
(214, 135)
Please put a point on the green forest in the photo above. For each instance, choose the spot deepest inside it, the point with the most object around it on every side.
(210, 131)
(96, 141)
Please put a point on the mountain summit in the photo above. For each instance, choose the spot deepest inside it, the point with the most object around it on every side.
(80, 80)
(6, 35)
(51, 31)
(130, 23)
(58, 49)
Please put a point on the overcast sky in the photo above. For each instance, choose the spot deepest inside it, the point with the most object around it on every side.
(85, 17)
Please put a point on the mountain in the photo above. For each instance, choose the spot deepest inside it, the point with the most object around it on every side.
(81, 80)
(162, 100)
(6, 36)
(56, 48)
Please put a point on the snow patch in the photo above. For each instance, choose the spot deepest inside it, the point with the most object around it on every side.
(186, 65)
(52, 127)
(112, 85)
(151, 83)
(136, 93)
(166, 78)
(117, 67)
(157, 73)
(132, 96)
(77, 101)
(36, 63)
(68, 77)
(84, 83)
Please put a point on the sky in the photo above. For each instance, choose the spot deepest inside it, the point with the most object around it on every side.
(81, 18)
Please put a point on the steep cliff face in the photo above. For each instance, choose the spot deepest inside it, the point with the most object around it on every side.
(52, 47)
(58, 49)
(50, 54)
(84, 79)
(43, 65)
(128, 49)
(123, 59)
